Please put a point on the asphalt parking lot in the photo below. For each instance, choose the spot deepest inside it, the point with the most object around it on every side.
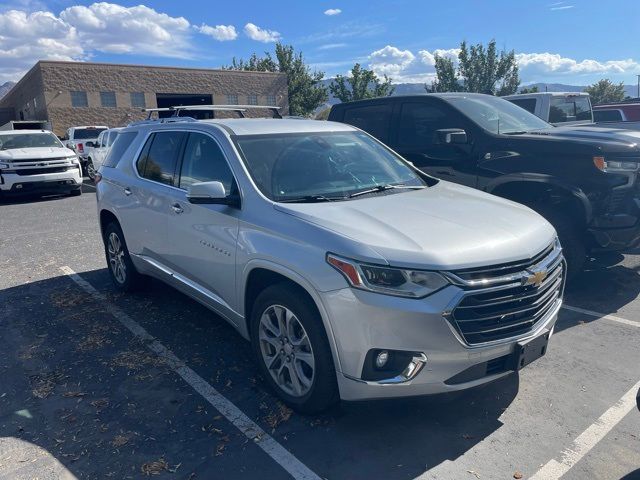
(94, 384)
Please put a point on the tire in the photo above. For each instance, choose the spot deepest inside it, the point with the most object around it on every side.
(572, 239)
(91, 171)
(123, 273)
(321, 390)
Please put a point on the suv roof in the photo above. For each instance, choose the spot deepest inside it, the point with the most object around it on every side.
(257, 126)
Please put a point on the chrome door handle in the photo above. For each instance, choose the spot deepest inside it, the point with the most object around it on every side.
(177, 208)
(127, 191)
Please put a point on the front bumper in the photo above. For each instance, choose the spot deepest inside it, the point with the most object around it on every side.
(70, 179)
(618, 229)
(362, 321)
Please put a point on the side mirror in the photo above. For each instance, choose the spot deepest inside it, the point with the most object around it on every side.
(211, 193)
(452, 136)
(90, 144)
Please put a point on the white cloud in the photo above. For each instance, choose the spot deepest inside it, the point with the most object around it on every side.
(405, 66)
(333, 11)
(564, 7)
(331, 46)
(219, 32)
(27, 38)
(113, 28)
(254, 32)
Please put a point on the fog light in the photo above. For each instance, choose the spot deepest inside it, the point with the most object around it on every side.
(19, 186)
(382, 358)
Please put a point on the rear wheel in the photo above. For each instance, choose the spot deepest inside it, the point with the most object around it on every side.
(123, 273)
(292, 350)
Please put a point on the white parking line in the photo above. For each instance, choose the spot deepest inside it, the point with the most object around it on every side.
(248, 427)
(613, 318)
(588, 439)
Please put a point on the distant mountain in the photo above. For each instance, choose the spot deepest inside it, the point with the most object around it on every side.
(4, 88)
(417, 88)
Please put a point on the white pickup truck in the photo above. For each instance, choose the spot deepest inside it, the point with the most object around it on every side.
(96, 151)
(565, 108)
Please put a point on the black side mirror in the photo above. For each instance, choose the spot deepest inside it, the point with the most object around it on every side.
(452, 136)
(90, 144)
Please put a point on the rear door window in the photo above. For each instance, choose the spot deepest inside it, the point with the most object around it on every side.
(160, 159)
(120, 146)
(373, 119)
(529, 104)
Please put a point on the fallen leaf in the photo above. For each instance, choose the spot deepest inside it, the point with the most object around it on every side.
(517, 475)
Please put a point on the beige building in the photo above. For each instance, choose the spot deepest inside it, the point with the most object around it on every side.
(81, 93)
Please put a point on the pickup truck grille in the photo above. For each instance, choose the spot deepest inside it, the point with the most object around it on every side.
(37, 160)
(519, 297)
(37, 171)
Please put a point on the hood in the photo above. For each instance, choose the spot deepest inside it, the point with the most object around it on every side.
(442, 227)
(606, 137)
(39, 153)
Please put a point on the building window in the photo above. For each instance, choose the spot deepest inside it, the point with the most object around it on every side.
(232, 99)
(271, 100)
(108, 99)
(252, 99)
(137, 100)
(79, 99)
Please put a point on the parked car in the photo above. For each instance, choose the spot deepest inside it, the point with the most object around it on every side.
(353, 274)
(583, 180)
(574, 108)
(97, 151)
(35, 161)
(557, 108)
(76, 139)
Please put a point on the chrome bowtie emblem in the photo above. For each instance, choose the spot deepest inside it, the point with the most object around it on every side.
(535, 278)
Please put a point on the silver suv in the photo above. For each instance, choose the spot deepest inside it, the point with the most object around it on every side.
(353, 274)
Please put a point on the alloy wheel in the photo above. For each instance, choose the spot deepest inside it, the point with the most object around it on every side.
(286, 350)
(91, 170)
(115, 251)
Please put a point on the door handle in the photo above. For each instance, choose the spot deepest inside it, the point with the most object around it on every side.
(177, 208)
(127, 191)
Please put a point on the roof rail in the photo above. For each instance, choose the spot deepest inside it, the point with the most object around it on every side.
(239, 109)
(162, 120)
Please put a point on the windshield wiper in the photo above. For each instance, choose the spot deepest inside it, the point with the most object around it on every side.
(382, 188)
(311, 199)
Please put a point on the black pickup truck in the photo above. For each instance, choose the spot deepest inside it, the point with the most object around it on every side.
(583, 180)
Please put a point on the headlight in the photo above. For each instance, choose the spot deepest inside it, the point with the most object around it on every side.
(388, 280)
(615, 166)
(4, 165)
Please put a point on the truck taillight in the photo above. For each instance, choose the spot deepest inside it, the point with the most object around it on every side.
(80, 147)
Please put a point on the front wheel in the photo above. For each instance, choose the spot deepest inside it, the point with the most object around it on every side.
(91, 170)
(572, 240)
(292, 350)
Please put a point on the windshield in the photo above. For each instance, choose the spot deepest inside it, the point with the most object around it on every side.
(85, 133)
(332, 165)
(496, 114)
(29, 140)
(570, 109)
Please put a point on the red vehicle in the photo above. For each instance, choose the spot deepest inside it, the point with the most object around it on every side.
(617, 112)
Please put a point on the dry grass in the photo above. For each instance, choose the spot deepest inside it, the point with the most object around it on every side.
(42, 385)
(136, 359)
(155, 468)
(281, 415)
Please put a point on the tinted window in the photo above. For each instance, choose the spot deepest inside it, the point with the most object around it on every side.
(607, 116)
(203, 161)
(162, 157)
(529, 104)
(373, 119)
(86, 133)
(419, 122)
(119, 146)
(569, 109)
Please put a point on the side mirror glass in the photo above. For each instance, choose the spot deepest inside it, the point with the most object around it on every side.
(211, 193)
(452, 136)
(90, 144)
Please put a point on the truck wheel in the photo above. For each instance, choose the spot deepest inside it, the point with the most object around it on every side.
(123, 273)
(292, 350)
(572, 239)
(91, 170)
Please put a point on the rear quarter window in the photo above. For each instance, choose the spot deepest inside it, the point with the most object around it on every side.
(122, 142)
(529, 104)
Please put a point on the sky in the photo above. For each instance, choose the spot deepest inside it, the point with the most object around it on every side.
(573, 42)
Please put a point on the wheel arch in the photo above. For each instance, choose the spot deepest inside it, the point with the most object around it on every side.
(106, 217)
(260, 274)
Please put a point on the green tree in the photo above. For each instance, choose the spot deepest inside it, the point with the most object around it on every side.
(362, 83)
(533, 89)
(306, 93)
(480, 69)
(605, 91)
(446, 77)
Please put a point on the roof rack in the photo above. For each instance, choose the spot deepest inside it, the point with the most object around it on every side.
(162, 120)
(239, 109)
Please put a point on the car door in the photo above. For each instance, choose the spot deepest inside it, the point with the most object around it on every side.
(415, 138)
(148, 197)
(203, 237)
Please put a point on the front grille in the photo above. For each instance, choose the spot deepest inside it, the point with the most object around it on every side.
(38, 171)
(509, 307)
(37, 160)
